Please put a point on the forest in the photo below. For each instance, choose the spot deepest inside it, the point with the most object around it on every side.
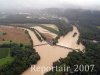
(23, 57)
(87, 23)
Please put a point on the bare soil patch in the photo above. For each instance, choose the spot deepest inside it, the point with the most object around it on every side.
(13, 34)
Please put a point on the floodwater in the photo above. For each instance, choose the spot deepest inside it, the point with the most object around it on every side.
(42, 30)
(51, 26)
(50, 54)
(70, 41)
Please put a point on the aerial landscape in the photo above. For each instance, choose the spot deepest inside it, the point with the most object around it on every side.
(49, 37)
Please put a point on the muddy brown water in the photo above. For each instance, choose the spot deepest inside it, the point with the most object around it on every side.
(50, 54)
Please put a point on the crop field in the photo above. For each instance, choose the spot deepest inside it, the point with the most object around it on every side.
(13, 34)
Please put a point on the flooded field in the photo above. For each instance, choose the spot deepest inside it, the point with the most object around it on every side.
(51, 26)
(70, 41)
(42, 30)
(50, 54)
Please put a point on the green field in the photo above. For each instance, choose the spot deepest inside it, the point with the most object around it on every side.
(50, 29)
(4, 52)
(6, 60)
(5, 56)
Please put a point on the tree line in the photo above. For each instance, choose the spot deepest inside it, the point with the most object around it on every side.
(24, 57)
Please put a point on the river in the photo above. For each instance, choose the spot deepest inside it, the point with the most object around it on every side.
(50, 54)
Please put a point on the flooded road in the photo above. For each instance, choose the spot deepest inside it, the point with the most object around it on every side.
(50, 54)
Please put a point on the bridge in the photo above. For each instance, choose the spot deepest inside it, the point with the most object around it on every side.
(65, 47)
(56, 46)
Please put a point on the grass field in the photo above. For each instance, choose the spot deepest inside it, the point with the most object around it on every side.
(5, 56)
(6, 60)
(13, 34)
